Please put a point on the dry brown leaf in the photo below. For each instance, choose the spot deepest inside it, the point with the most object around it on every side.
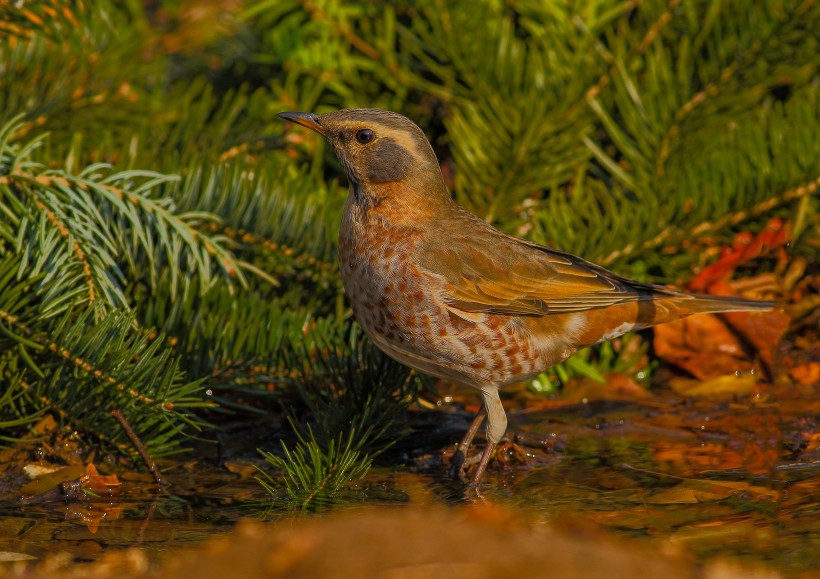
(721, 386)
(703, 346)
(99, 484)
(806, 374)
(700, 491)
(763, 331)
(618, 386)
(688, 458)
(46, 482)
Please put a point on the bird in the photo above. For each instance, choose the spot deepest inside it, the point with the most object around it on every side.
(444, 292)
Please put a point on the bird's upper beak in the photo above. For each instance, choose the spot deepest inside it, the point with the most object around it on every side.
(308, 120)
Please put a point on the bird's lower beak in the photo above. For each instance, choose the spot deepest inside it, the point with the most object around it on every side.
(308, 120)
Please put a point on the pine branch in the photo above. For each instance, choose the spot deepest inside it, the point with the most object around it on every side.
(611, 129)
(356, 399)
(85, 363)
(315, 478)
(673, 236)
(351, 385)
(62, 223)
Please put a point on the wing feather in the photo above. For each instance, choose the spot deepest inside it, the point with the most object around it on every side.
(500, 274)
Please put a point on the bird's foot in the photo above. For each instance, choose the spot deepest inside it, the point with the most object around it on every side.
(472, 494)
(459, 464)
(488, 453)
(506, 453)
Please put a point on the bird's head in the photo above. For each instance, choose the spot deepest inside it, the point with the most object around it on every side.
(385, 155)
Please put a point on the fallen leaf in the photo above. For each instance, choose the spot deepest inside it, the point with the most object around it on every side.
(806, 374)
(618, 386)
(744, 248)
(70, 483)
(702, 345)
(763, 331)
(721, 386)
(6, 556)
(711, 533)
(37, 470)
(684, 458)
(44, 483)
(245, 470)
(700, 491)
(98, 484)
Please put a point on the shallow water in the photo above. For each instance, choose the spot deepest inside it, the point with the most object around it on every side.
(736, 479)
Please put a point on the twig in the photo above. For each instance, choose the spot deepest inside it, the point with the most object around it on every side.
(149, 462)
(149, 514)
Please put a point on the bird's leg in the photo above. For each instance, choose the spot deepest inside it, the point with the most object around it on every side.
(457, 462)
(496, 426)
(482, 465)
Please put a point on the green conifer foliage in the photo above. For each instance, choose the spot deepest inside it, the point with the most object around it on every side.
(163, 234)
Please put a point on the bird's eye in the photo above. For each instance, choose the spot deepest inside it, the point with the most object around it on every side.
(364, 136)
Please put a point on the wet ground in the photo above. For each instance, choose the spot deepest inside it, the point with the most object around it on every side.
(735, 477)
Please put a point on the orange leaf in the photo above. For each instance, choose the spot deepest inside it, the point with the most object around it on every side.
(807, 374)
(744, 248)
(97, 483)
(763, 331)
(702, 345)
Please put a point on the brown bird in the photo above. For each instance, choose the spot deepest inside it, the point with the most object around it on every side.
(444, 292)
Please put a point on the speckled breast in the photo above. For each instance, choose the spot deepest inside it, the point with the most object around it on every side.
(402, 309)
(389, 297)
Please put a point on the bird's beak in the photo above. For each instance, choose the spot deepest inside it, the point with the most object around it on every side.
(308, 120)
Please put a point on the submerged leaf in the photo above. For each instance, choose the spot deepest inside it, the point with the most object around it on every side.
(700, 491)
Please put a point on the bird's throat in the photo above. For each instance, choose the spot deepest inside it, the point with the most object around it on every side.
(356, 192)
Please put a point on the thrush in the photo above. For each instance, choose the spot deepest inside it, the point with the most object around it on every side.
(442, 291)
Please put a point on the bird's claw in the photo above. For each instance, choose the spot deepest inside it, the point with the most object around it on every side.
(459, 464)
(472, 493)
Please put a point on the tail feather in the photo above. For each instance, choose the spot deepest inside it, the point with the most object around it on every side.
(677, 306)
(664, 306)
(706, 304)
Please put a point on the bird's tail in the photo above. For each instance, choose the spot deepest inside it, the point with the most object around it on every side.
(676, 306)
(663, 307)
(706, 304)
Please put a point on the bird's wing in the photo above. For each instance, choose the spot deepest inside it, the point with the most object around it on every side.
(502, 275)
